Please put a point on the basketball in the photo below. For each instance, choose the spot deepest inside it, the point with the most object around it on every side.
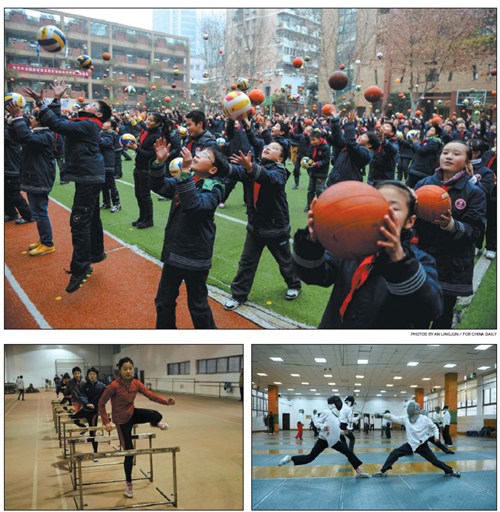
(373, 94)
(338, 80)
(305, 162)
(84, 61)
(235, 104)
(126, 138)
(14, 98)
(106, 56)
(175, 167)
(348, 217)
(167, 99)
(297, 62)
(256, 96)
(327, 109)
(80, 99)
(432, 202)
(51, 39)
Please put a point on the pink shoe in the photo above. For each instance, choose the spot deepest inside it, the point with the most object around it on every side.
(162, 426)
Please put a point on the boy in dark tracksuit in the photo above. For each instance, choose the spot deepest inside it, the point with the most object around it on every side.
(189, 233)
(59, 154)
(301, 137)
(14, 200)
(383, 164)
(84, 166)
(426, 158)
(352, 154)
(38, 172)
(406, 152)
(268, 221)
(109, 145)
(318, 168)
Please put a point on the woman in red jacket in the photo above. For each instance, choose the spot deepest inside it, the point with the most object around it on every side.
(122, 392)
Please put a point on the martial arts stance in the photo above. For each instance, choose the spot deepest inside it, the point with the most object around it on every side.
(417, 433)
(329, 436)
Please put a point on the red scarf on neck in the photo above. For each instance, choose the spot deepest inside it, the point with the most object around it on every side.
(83, 118)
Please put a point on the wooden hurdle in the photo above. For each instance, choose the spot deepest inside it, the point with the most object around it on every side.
(80, 457)
(78, 441)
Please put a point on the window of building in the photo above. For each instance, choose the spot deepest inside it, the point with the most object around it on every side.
(99, 29)
(231, 364)
(183, 368)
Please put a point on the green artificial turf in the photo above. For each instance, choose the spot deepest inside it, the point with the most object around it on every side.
(269, 287)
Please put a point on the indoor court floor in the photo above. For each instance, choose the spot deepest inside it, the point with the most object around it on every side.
(209, 432)
(328, 483)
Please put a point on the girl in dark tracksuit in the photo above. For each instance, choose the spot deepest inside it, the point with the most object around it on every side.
(150, 133)
(189, 233)
(38, 173)
(109, 145)
(451, 239)
(122, 392)
(397, 288)
(426, 157)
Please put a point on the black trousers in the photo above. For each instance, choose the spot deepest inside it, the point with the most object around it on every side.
(249, 261)
(14, 200)
(109, 189)
(125, 434)
(322, 445)
(403, 165)
(21, 394)
(86, 227)
(351, 437)
(143, 194)
(422, 450)
(446, 435)
(197, 296)
(297, 168)
(315, 188)
(446, 318)
(91, 416)
(438, 444)
(413, 179)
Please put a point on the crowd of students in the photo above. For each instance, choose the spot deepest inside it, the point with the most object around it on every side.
(413, 281)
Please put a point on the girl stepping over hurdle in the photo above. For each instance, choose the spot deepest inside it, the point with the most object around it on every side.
(122, 392)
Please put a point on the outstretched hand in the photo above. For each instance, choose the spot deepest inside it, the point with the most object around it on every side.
(14, 110)
(243, 160)
(171, 401)
(161, 150)
(59, 88)
(37, 96)
(187, 159)
(392, 233)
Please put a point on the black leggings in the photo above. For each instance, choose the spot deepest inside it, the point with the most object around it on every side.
(322, 445)
(91, 417)
(422, 450)
(351, 437)
(125, 434)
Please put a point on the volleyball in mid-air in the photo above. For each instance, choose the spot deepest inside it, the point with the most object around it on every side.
(235, 104)
(51, 39)
(84, 61)
(175, 167)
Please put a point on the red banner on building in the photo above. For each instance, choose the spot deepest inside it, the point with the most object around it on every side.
(49, 71)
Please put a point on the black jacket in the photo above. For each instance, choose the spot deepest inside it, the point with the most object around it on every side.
(406, 149)
(426, 158)
(321, 156)
(237, 138)
(350, 158)
(454, 252)
(402, 295)
(484, 178)
(107, 146)
(383, 163)
(12, 158)
(301, 140)
(145, 150)
(202, 141)
(91, 393)
(190, 230)
(83, 158)
(38, 165)
(270, 216)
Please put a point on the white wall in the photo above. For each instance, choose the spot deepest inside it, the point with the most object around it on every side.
(37, 362)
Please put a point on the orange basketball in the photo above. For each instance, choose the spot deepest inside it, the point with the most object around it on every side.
(432, 202)
(297, 62)
(256, 96)
(327, 109)
(373, 94)
(106, 56)
(348, 217)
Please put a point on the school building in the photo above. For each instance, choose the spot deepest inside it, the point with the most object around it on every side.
(139, 58)
(288, 379)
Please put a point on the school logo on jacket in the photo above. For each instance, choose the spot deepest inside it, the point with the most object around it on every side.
(460, 203)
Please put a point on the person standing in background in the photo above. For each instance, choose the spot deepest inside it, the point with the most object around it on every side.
(20, 387)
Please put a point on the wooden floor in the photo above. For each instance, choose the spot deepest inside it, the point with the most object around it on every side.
(208, 431)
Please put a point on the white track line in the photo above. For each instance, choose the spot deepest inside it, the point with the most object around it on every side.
(32, 309)
(34, 493)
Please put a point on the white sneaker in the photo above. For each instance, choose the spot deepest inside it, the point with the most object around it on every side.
(362, 474)
(95, 459)
(292, 294)
(162, 426)
(477, 251)
(222, 205)
(128, 492)
(285, 460)
(231, 304)
(379, 474)
(490, 255)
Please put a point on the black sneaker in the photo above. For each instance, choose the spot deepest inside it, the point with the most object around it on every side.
(8, 218)
(98, 259)
(105, 206)
(76, 281)
(145, 224)
(22, 220)
(63, 182)
(135, 222)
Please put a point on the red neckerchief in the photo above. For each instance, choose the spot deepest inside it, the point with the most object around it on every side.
(93, 119)
(422, 142)
(491, 161)
(321, 142)
(144, 133)
(358, 279)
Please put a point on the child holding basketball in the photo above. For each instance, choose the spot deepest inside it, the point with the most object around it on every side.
(451, 239)
(122, 392)
(395, 288)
